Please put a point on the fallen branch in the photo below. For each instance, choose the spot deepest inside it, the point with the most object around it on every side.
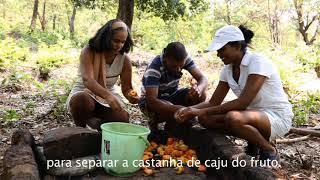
(314, 128)
(285, 141)
(304, 131)
(310, 127)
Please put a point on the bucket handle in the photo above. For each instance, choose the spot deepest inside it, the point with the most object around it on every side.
(144, 140)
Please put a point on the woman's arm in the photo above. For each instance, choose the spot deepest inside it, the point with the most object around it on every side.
(217, 97)
(87, 74)
(252, 87)
(157, 105)
(126, 80)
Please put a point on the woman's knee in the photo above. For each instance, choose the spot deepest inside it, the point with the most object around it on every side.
(121, 116)
(203, 120)
(82, 102)
(233, 119)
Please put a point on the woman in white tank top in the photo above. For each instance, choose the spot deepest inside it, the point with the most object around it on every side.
(93, 99)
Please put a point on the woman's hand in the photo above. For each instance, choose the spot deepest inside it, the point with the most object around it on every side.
(186, 113)
(134, 100)
(114, 103)
(176, 115)
(133, 97)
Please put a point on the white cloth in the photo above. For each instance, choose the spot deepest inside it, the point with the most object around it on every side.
(271, 98)
(113, 72)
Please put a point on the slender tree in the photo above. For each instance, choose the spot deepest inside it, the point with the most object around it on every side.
(76, 4)
(71, 20)
(34, 15)
(42, 19)
(304, 22)
(228, 9)
(125, 11)
(274, 20)
(3, 7)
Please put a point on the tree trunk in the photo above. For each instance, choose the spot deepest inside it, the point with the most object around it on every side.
(228, 18)
(303, 26)
(54, 22)
(276, 24)
(273, 19)
(71, 21)
(34, 15)
(125, 11)
(3, 3)
(43, 18)
(44, 21)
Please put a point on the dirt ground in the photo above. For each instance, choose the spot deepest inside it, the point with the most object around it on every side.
(42, 110)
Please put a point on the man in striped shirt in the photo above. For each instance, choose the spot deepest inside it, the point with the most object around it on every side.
(161, 96)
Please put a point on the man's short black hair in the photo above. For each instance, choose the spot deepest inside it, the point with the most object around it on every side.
(175, 50)
(102, 40)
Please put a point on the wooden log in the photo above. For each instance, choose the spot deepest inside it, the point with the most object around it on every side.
(286, 141)
(304, 131)
(19, 161)
(71, 142)
(213, 148)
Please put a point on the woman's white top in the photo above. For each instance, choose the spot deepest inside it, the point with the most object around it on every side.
(271, 95)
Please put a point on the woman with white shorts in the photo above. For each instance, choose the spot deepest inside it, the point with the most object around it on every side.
(261, 112)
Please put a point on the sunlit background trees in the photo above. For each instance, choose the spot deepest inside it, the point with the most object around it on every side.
(46, 34)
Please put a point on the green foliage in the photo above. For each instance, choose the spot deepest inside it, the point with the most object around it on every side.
(51, 58)
(91, 3)
(2, 29)
(29, 108)
(10, 53)
(14, 82)
(49, 38)
(172, 9)
(153, 33)
(308, 56)
(49, 61)
(59, 108)
(150, 37)
(40, 86)
(308, 104)
(11, 115)
(156, 23)
(20, 36)
(288, 69)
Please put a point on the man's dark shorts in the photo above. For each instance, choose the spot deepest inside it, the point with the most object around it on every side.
(177, 98)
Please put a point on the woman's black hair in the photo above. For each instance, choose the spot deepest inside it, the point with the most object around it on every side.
(175, 50)
(248, 35)
(102, 40)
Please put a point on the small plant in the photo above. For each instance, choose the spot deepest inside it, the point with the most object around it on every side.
(301, 115)
(11, 114)
(14, 81)
(59, 109)
(11, 53)
(317, 66)
(310, 103)
(50, 60)
(29, 108)
(44, 71)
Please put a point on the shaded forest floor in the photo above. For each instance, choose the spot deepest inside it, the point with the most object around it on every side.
(40, 110)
